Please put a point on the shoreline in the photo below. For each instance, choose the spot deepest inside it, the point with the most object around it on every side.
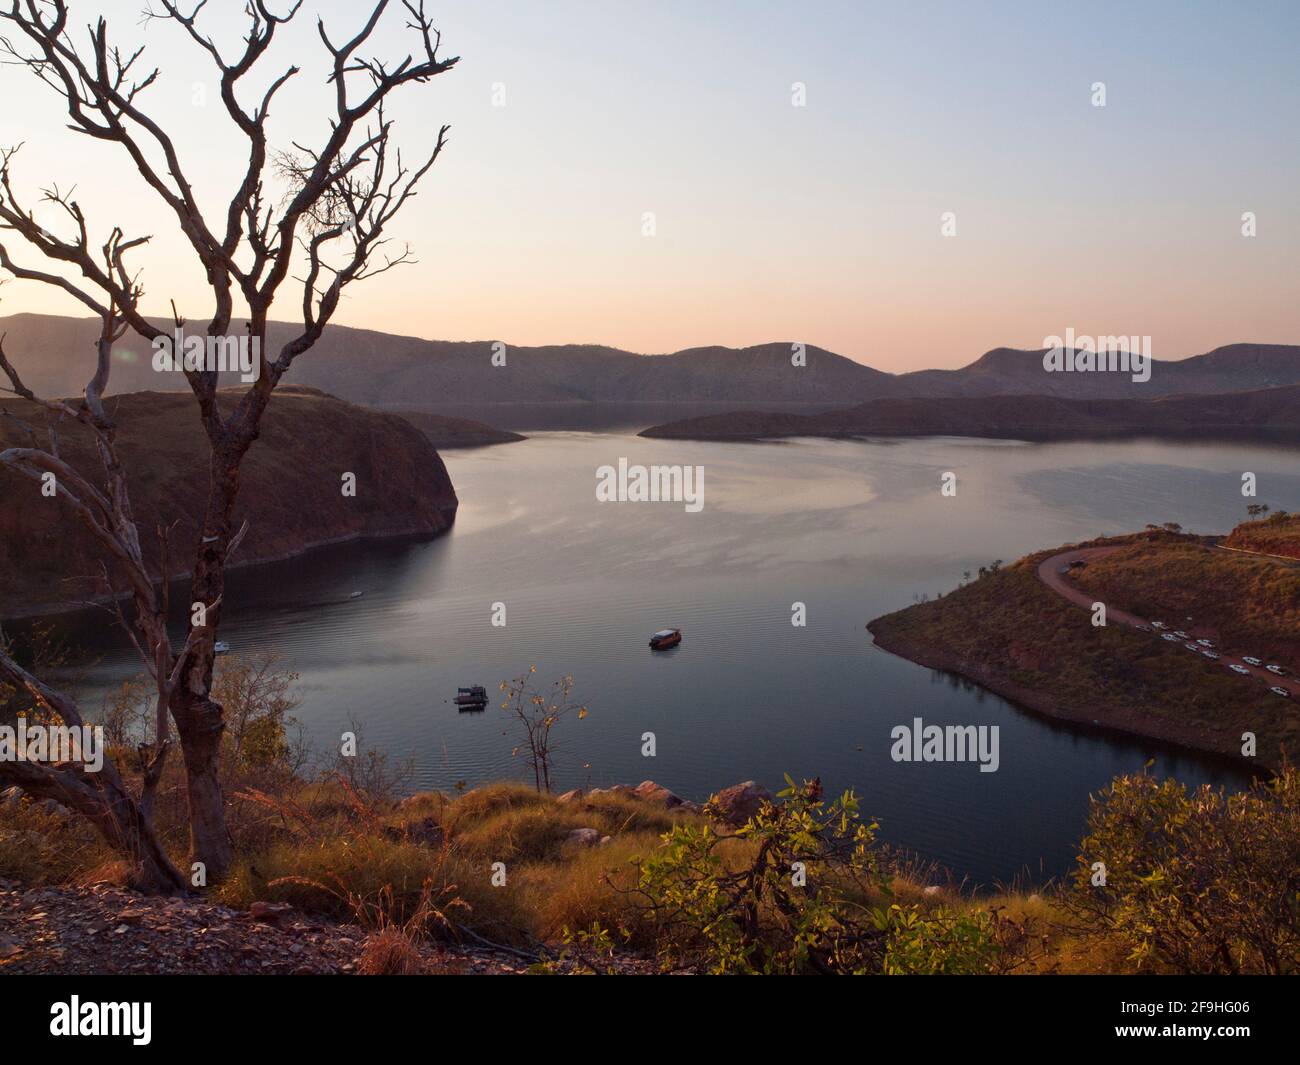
(1035, 701)
(63, 608)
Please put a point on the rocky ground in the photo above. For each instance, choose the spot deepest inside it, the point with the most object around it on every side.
(107, 930)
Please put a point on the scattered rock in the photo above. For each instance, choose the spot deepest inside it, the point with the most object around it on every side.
(270, 912)
(933, 889)
(79, 933)
(606, 840)
(571, 796)
(737, 804)
(583, 837)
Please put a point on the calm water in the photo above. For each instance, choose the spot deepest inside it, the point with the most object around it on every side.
(852, 529)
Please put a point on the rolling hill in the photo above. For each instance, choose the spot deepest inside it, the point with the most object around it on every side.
(379, 369)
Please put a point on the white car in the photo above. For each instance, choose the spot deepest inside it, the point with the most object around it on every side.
(1251, 661)
(1238, 669)
(1211, 654)
(1158, 625)
(1276, 669)
(1192, 647)
(1280, 691)
(1181, 635)
(1170, 636)
(1205, 643)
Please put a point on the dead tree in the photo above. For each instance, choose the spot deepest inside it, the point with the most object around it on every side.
(319, 211)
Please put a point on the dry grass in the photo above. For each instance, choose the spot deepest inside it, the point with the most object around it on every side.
(390, 952)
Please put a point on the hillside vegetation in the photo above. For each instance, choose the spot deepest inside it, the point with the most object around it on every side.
(1251, 605)
(1011, 633)
(1278, 534)
(625, 877)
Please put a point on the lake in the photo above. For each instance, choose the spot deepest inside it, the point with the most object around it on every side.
(851, 529)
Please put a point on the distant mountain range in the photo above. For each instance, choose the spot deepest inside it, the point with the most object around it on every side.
(378, 369)
(1265, 413)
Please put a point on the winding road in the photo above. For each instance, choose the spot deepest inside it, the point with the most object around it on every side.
(1049, 572)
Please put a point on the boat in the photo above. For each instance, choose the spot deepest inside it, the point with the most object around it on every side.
(356, 595)
(472, 698)
(665, 638)
(220, 647)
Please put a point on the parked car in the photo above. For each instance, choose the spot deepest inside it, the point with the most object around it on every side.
(1280, 691)
(1170, 636)
(1251, 661)
(1211, 654)
(1276, 669)
(1158, 625)
(1205, 643)
(1238, 669)
(1181, 635)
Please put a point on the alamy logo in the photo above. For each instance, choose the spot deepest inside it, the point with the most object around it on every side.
(920, 742)
(651, 484)
(53, 743)
(102, 1018)
(234, 354)
(1085, 354)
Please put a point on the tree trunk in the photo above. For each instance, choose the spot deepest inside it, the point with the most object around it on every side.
(112, 810)
(199, 724)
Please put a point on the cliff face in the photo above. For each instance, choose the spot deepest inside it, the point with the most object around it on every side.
(291, 490)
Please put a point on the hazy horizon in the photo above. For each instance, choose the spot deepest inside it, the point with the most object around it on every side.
(819, 223)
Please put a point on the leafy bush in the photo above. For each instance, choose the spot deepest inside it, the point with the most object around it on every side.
(801, 892)
(1196, 882)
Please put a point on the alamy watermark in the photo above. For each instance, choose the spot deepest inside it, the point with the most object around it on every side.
(651, 484)
(233, 354)
(919, 742)
(1084, 354)
(77, 1018)
(53, 743)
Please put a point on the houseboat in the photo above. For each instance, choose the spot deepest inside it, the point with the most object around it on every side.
(472, 698)
(665, 638)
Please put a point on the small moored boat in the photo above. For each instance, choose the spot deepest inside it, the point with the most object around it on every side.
(220, 647)
(472, 698)
(665, 638)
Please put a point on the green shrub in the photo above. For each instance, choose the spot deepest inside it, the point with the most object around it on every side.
(1195, 882)
(805, 894)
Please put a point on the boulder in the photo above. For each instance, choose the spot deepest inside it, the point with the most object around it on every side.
(571, 796)
(657, 794)
(737, 804)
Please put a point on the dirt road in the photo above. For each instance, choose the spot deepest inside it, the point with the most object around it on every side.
(1049, 572)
